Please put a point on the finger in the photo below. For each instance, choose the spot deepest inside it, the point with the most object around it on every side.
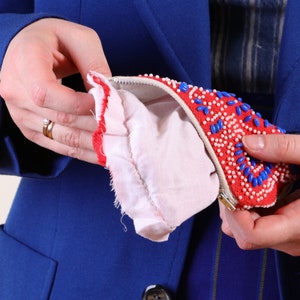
(33, 120)
(274, 147)
(225, 227)
(62, 99)
(66, 140)
(72, 137)
(69, 142)
(54, 54)
(72, 45)
(86, 56)
(74, 152)
(252, 232)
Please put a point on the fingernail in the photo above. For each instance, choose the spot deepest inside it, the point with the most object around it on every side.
(254, 142)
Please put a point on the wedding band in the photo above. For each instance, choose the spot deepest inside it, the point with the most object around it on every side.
(47, 128)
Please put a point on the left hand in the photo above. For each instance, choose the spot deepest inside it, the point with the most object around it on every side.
(281, 229)
(36, 60)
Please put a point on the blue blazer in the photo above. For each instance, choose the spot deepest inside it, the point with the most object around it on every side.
(63, 238)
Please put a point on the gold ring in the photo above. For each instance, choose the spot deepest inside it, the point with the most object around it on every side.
(47, 128)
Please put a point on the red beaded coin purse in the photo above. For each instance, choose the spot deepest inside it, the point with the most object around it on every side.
(221, 120)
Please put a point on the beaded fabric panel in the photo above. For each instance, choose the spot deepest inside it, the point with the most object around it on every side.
(224, 120)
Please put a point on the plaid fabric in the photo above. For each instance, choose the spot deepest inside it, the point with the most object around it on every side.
(246, 36)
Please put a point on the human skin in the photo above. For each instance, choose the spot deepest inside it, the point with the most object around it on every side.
(36, 60)
(48, 50)
(278, 230)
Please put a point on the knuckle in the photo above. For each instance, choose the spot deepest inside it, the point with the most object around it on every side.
(65, 118)
(72, 139)
(75, 152)
(96, 65)
(85, 31)
(39, 95)
(225, 229)
(245, 243)
(5, 92)
(293, 252)
(91, 32)
(32, 136)
(286, 146)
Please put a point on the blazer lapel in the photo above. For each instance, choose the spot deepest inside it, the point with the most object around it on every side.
(182, 35)
(287, 115)
(288, 78)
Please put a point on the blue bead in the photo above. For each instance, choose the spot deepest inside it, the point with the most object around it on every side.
(240, 159)
(253, 162)
(239, 99)
(219, 94)
(266, 123)
(267, 170)
(239, 145)
(200, 108)
(238, 152)
(264, 175)
(250, 177)
(254, 182)
(206, 110)
(231, 102)
(242, 166)
(281, 130)
(183, 86)
(198, 101)
(225, 94)
(258, 114)
(247, 171)
(232, 94)
(256, 122)
(220, 123)
(238, 110)
(259, 180)
(247, 119)
(244, 107)
(213, 129)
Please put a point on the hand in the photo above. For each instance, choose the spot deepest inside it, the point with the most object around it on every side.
(281, 229)
(36, 60)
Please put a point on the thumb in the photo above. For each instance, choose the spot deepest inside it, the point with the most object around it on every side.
(274, 147)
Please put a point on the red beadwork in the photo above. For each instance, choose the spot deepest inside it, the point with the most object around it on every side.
(224, 120)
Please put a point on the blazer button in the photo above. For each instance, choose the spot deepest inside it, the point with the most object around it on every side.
(156, 292)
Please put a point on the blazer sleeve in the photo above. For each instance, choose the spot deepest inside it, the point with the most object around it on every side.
(19, 156)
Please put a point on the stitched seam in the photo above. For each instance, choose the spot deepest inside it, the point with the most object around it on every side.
(217, 263)
(139, 176)
(263, 275)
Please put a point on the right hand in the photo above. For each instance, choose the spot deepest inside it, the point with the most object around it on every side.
(280, 229)
(36, 60)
